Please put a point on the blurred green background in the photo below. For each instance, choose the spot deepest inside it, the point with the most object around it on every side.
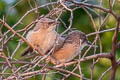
(81, 22)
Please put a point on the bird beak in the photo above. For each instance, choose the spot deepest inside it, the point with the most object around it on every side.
(89, 44)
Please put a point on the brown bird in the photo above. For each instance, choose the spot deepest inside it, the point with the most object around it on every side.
(73, 44)
(43, 36)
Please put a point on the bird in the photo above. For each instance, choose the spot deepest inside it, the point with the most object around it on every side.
(74, 42)
(43, 36)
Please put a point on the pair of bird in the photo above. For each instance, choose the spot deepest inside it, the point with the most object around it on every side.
(44, 37)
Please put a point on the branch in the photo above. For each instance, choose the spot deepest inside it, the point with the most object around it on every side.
(114, 49)
(95, 6)
(101, 55)
(41, 72)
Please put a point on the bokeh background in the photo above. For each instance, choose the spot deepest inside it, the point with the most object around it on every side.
(12, 13)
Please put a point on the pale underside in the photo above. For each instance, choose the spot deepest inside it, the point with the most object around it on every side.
(42, 40)
(66, 53)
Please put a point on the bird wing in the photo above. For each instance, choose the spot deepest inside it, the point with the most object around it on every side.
(59, 43)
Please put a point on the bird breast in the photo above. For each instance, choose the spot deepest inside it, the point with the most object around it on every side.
(66, 53)
(42, 39)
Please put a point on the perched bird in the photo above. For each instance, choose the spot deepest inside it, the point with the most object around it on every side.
(73, 44)
(43, 36)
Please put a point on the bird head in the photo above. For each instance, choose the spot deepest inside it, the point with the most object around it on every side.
(46, 24)
(79, 38)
